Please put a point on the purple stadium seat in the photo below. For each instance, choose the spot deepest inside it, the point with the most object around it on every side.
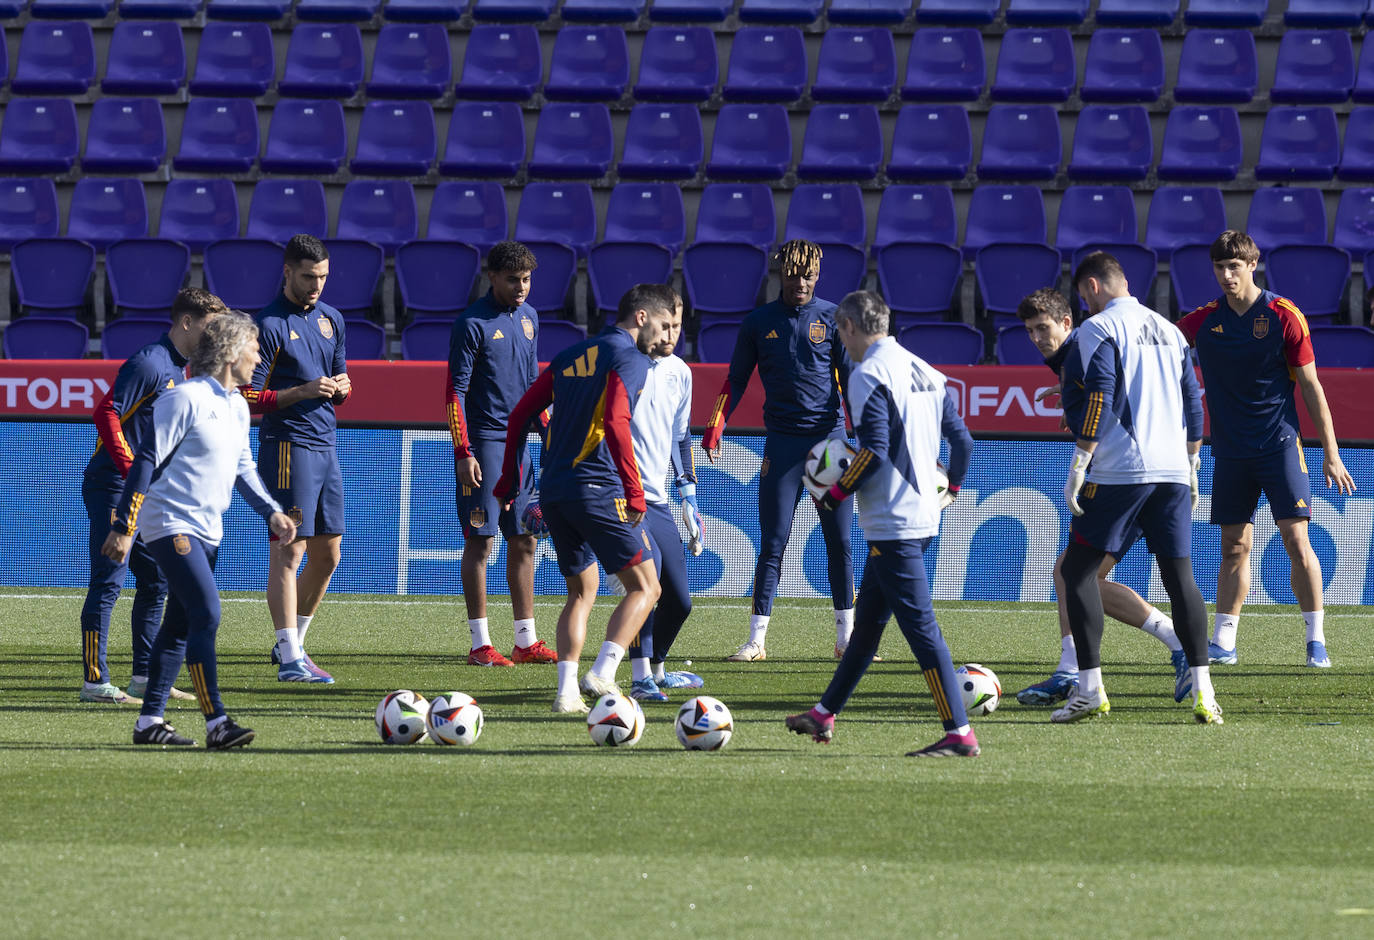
(145, 59)
(305, 136)
(961, 12)
(435, 278)
(1243, 13)
(28, 209)
(1217, 65)
(443, 11)
(411, 60)
(158, 9)
(556, 336)
(509, 10)
(602, 11)
(573, 140)
(1137, 12)
(615, 267)
(954, 344)
(336, 11)
(780, 11)
(470, 212)
(864, 12)
(1341, 14)
(1183, 215)
(767, 63)
(1363, 92)
(282, 208)
(123, 337)
(485, 138)
(916, 213)
(324, 60)
(105, 210)
(219, 135)
(1123, 65)
(1343, 347)
(1046, 12)
(1299, 144)
(234, 59)
(1112, 142)
(395, 138)
(931, 142)
(1095, 214)
(648, 212)
(355, 273)
(1021, 141)
(55, 59)
(690, 11)
(723, 278)
(426, 341)
(1006, 272)
(737, 212)
(502, 62)
(243, 272)
(71, 9)
(247, 9)
(856, 65)
(557, 212)
(945, 65)
(919, 278)
(1139, 263)
(1312, 276)
(1190, 273)
(1314, 65)
(1355, 222)
(1035, 65)
(677, 63)
(42, 338)
(716, 341)
(364, 340)
(1004, 214)
(832, 213)
(751, 141)
(844, 271)
(51, 275)
(1013, 347)
(1201, 142)
(143, 275)
(1357, 151)
(590, 63)
(1286, 216)
(197, 212)
(379, 211)
(663, 141)
(842, 142)
(551, 291)
(125, 135)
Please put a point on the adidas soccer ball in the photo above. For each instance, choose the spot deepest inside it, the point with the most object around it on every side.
(401, 717)
(825, 464)
(941, 481)
(704, 724)
(615, 721)
(980, 689)
(454, 718)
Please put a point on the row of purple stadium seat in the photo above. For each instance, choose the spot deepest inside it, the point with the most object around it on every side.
(679, 64)
(1108, 12)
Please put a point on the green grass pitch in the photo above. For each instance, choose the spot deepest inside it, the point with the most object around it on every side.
(1138, 824)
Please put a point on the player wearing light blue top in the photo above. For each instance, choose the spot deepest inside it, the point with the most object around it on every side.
(901, 412)
(1132, 400)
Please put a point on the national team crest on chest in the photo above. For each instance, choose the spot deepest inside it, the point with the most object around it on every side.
(817, 332)
(326, 327)
(1260, 328)
(528, 325)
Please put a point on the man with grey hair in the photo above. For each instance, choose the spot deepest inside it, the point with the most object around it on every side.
(199, 452)
(901, 412)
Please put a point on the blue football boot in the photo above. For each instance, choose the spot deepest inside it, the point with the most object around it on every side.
(1054, 689)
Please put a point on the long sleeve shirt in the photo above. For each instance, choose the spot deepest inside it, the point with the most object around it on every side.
(125, 415)
(492, 361)
(661, 428)
(297, 346)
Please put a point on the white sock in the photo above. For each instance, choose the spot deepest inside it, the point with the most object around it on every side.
(1090, 681)
(1162, 629)
(822, 710)
(1068, 655)
(639, 668)
(478, 629)
(302, 624)
(1313, 619)
(212, 723)
(607, 660)
(758, 627)
(1224, 632)
(658, 671)
(524, 633)
(961, 730)
(844, 626)
(1202, 681)
(567, 676)
(147, 721)
(138, 678)
(288, 646)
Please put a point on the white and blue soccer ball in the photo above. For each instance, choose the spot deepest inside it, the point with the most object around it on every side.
(980, 689)
(401, 717)
(454, 718)
(826, 462)
(704, 724)
(615, 721)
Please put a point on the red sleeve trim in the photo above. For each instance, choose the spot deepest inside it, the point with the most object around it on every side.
(715, 425)
(111, 431)
(1297, 339)
(620, 443)
(260, 401)
(1191, 324)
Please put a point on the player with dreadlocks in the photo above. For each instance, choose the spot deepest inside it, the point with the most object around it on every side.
(804, 367)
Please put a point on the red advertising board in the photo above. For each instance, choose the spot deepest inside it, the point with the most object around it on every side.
(992, 399)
